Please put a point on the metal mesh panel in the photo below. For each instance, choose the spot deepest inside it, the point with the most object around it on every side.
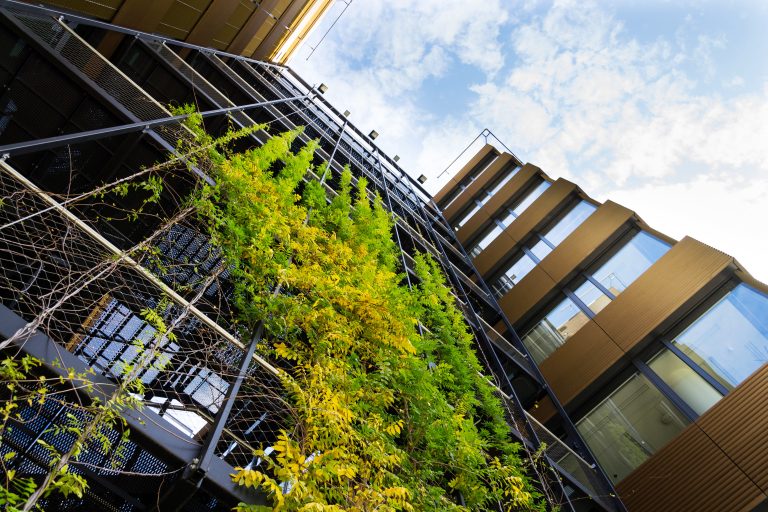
(78, 53)
(76, 289)
(198, 82)
(115, 85)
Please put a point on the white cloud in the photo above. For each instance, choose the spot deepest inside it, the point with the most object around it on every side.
(585, 95)
(720, 210)
(567, 88)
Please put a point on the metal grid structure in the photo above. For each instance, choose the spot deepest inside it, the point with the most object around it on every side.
(58, 249)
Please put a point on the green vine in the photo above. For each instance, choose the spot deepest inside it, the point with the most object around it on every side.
(386, 417)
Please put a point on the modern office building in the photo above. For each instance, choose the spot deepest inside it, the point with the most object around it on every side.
(85, 102)
(612, 362)
(656, 348)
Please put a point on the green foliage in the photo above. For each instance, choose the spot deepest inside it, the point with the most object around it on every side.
(387, 418)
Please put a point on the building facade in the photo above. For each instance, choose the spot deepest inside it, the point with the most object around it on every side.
(584, 314)
(656, 348)
(86, 103)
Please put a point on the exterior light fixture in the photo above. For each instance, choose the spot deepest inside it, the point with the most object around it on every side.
(322, 88)
(373, 134)
(346, 113)
(422, 179)
(397, 158)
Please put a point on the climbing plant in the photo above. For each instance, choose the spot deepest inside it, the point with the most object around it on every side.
(391, 407)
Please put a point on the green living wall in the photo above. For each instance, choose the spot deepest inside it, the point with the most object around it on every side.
(387, 414)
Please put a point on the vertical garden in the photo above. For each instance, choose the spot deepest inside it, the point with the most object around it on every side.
(391, 408)
(388, 407)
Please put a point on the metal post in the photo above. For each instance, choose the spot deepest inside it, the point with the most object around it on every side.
(391, 211)
(570, 428)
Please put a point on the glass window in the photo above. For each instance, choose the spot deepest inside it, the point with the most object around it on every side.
(630, 425)
(730, 341)
(541, 249)
(484, 242)
(514, 274)
(469, 215)
(630, 262)
(569, 222)
(554, 329)
(689, 385)
(530, 198)
(503, 181)
(592, 296)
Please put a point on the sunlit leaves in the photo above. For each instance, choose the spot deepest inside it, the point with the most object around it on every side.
(377, 427)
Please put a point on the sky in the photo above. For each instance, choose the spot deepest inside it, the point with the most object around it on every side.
(661, 106)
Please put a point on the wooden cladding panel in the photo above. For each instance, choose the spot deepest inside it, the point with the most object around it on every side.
(254, 30)
(738, 425)
(496, 254)
(533, 218)
(593, 235)
(664, 288)
(465, 197)
(211, 22)
(182, 17)
(240, 15)
(142, 17)
(485, 151)
(474, 226)
(523, 298)
(583, 358)
(286, 11)
(103, 9)
(689, 474)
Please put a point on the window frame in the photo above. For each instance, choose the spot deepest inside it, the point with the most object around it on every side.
(586, 275)
(483, 195)
(526, 248)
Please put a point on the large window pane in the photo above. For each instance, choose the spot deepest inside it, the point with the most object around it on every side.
(468, 216)
(514, 274)
(633, 259)
(530, 198)
(730, 341)
(541, 249)
(591, 295)
(630, 425)
(554, 329)
(689, 385)
(504, 180)
(569, 222)
(486, 240)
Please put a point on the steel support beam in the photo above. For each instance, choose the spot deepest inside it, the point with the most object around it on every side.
(147, 428)
(20, 148)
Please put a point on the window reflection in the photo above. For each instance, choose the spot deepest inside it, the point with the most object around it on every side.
(594, 293)
(541, 248)
(530, 198)
(730, 341)
(689, 385)
(629, 426)
(569, 222)
(621, 270)
(554, 329)
(484, 242)
(485, 194)
(514, 274)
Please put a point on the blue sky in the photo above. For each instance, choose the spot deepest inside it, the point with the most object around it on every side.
(659, 105)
